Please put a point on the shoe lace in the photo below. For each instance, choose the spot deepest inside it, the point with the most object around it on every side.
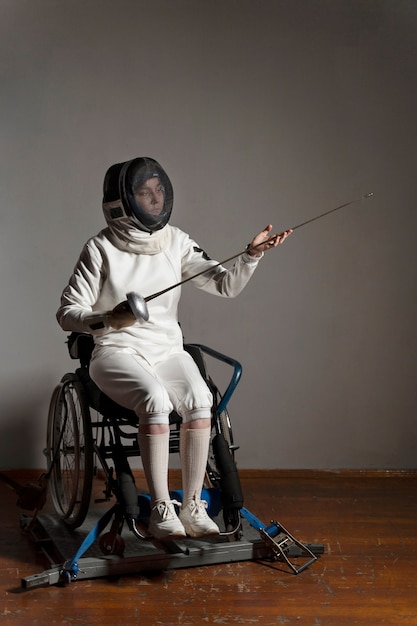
(166, 509)
(198, 509)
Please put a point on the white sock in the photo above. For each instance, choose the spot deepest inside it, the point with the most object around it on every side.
(154, 450)
(194, 447)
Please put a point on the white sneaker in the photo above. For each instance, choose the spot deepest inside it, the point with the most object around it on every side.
(195, 520)
(164, 522)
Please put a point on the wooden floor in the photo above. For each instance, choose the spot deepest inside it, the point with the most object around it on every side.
(368, 574)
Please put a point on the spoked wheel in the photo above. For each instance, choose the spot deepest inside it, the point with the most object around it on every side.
(70, 451)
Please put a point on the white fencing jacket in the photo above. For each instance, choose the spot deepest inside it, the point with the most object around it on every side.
(109, 268)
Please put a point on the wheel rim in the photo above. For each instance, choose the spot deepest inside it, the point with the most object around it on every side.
(70, 451)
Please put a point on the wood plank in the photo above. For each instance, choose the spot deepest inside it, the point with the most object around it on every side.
(367, 576)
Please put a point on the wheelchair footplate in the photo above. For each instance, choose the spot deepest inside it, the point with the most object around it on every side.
(77, 555)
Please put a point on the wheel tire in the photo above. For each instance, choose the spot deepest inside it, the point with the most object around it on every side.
(213, 473)
(231, 515)
(70, 451)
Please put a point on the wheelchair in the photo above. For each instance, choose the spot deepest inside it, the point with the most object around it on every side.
(86, 431)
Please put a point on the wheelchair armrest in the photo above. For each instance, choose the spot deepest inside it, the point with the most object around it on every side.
(237, 371)
(81, 346)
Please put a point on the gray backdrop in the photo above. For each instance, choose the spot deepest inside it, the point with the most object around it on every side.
(261, 111)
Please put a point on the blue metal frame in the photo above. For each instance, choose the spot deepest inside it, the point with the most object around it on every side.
(237, 372)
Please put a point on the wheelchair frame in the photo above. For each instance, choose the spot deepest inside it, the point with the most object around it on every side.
(86, 427)
(84, 423)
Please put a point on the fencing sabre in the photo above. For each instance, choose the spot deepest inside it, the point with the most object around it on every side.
(138, 304)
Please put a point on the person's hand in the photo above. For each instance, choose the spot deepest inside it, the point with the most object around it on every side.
(264, 241)
(121, 316)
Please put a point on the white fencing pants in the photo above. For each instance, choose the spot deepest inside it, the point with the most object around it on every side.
(152, 392)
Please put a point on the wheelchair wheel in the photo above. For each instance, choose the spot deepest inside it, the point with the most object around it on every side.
(222, 472)
(221, 424)
(70, 451)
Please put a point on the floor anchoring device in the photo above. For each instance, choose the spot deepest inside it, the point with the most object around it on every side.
(71, 560)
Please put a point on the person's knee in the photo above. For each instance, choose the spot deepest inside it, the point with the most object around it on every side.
(153, 422)
(196, 403)
(196, 416)
(153, 429)
(155, 406)
(198, 423)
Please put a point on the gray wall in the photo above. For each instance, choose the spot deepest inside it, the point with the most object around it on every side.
(261, 111)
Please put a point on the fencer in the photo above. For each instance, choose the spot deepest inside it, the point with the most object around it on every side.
(142, 364)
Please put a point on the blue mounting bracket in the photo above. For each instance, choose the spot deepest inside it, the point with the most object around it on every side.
(283, 545)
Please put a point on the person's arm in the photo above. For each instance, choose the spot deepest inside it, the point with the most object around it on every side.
(80, 295)
(229, 282)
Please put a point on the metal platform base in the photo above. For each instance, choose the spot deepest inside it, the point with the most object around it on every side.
(59, 545)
